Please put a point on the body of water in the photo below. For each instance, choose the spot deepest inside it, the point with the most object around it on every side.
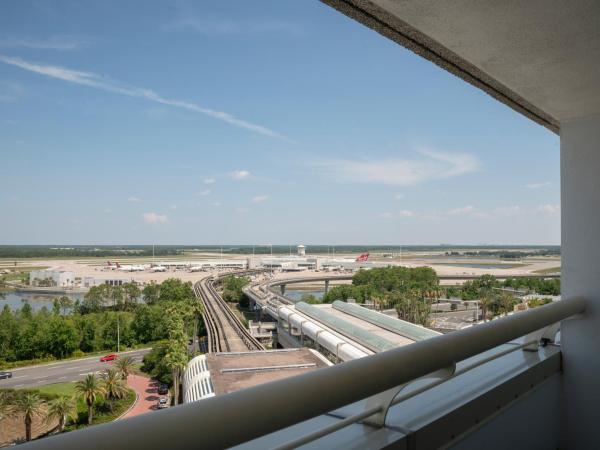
(481, 266)
(16, 300)
(296, 294)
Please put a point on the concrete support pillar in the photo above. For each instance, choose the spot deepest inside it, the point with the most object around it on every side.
(326, 286)
(282, 289)
(580, 203)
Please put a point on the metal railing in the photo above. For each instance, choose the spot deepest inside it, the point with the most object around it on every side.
(231, 419)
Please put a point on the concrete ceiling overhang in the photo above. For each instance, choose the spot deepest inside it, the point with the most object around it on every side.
(540, 57)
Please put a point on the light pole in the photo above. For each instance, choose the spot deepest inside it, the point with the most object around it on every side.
(118, 335)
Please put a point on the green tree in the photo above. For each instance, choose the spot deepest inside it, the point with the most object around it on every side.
(176, 360)
(114, 388)
(94, 299)
(507, 302)
(131, 293)
(62, 408)
(63, 338)
(65, 304)
(151, 293)
(30, 405)
(124, 366)
(90, 389)
(484, 303)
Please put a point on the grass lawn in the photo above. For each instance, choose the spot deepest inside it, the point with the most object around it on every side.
(549, 270)
(102, 409)
(58, 389)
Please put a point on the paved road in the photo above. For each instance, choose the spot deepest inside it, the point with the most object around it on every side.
(62, 372)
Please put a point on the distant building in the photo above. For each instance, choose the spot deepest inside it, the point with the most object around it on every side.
(301, 250)
(51, 278)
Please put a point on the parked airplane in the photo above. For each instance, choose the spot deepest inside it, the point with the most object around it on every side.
(158, 269)
(127, 268)
(363, 257)
(197, 269)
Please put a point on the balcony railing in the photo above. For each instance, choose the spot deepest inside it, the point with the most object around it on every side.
(232, 419)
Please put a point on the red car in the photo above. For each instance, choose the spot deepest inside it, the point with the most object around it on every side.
(110, 357)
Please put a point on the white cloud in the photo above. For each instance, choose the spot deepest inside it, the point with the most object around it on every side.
(260, 198)
(461, 211)
(50, 43)
(239, 174)
(431, 165)
(173, 207)
(209, 180)
(549, 209)
(507, 210)
(134, 199)
(93, 80)
(205, 192)
(154, 218)
(537, 185)
(407, 213)
(399, 196)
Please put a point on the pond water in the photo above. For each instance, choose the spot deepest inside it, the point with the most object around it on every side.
(16, 300)
(296, 294)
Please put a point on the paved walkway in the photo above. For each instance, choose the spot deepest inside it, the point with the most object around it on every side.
(147, 391)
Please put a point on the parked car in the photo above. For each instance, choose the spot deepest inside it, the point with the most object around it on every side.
(163, 402)
(110, 357)
(163, 389)
(4, 375)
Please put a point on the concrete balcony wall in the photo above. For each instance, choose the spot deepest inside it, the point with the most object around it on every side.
(532, 422)
(580, 215)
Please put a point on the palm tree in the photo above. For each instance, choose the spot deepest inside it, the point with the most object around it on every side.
(508, 302)
(176, 360)
(90, 389)
(124, 366)
(484, 303)
(30, 405)
(114, 388)
(62, 408)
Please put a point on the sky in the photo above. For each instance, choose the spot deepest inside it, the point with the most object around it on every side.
(252, 123)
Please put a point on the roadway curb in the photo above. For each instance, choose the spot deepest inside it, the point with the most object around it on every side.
(137, 399)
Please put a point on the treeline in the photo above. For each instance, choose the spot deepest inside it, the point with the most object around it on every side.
(472, 289)
(508, 254)
(93, 324)
(232, 290)
(50, 251)
(410, 290)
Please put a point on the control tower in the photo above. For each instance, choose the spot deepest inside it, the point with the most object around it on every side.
(301, 250)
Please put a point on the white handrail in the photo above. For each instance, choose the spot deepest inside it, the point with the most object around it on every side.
(231, 419)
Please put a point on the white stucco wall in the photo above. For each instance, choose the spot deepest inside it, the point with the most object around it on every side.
(580, 203)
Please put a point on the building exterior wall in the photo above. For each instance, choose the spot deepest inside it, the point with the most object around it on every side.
(55, 277)
(580, 248)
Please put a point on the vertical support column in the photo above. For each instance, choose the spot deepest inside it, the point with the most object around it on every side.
(580, 339)
(326, 286)
(282, 289)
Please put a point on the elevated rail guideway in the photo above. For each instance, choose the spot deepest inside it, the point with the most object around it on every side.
(226, 333)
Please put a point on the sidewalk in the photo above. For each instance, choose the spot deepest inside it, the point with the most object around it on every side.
(147, 391)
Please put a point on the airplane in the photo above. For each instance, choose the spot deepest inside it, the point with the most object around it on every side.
(158, 269)
(130, 268)
(363, 257)
(197, 269)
